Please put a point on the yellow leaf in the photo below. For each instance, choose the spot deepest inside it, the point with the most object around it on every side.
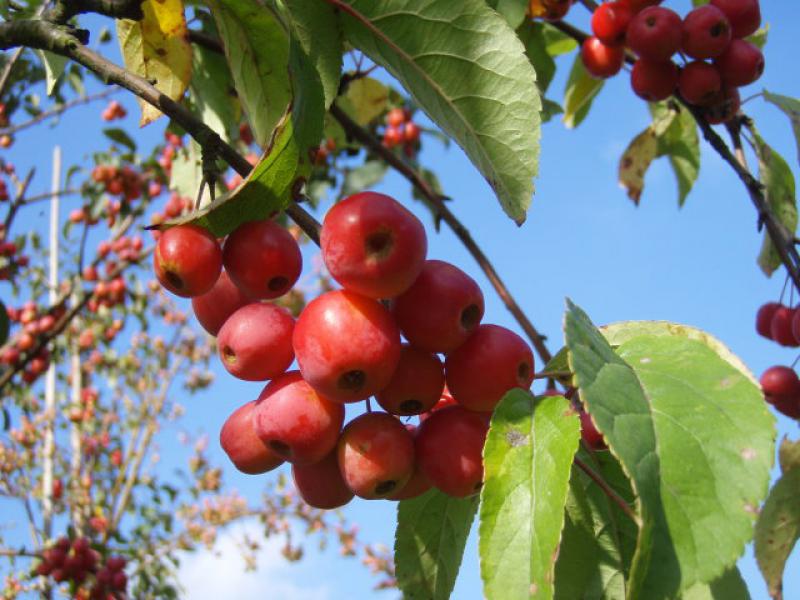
(157, 48)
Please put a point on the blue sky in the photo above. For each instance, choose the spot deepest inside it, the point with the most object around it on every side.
(584, 240)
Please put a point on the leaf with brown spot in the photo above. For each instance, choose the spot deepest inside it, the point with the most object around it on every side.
(157, 48)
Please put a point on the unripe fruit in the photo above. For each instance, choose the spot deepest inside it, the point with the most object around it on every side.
(779, 381)
(255, 343)
(449, 448)
(262, 259)
(347, 345)
(296, 422)
(699, 83)
(654, 81)
(373, 245)
(655, 33)
(706, 32)
(491, 362)
(321, 484)
(244, 448)
(600, 60)
(610, 22)
(416, 385)
(376, 455)
(214, 307)
(441, 309)
(743, 15)
(764, 319)
(590, 434)
(741, 64)
(187, 260)
(781, 327)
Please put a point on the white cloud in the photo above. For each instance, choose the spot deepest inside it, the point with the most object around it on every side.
(220, 573)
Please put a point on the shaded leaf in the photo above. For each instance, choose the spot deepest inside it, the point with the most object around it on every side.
(698, 487)
(465, 67)
(121, 137)
(635, 161)
(680, 143)
(157, 48)
(527, 460)
(54, 65)
(316, 26)
(791, 108)
(730, 586)
(532, 36)
(513, 11)
(364, 100)
(257, 50)
(363, 177)
(432, 531)
(214, 93)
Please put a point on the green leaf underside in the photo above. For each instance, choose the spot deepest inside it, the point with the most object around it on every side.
(579, 94)
(779, 188)
(465, 67)
(653, 401)
(316, 26)
(729, 586)
(778, 526)
(214, 92)
(791, 108)
(257, 49)
(285, 165)
(431, 534)
(527, 460)
(598, 540)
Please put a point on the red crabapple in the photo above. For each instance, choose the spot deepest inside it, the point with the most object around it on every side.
(214, 307)
(781, 327)
(590, 434)
(449, 450)
(255, 343)
(418, 484)
(744, 15)
(441, 309)
(741, 64)
(263, 259)
(347, 345)
(655, 33)
(699, 83)
(780, 381)
(296, 422)
(244, 448)
(187, 260)
(491, 362)
(373, 245)
(416, 385)
(321, 484)
(600, 60)
(706, 32)
(610, 22)
(376, 455)
(654, 81)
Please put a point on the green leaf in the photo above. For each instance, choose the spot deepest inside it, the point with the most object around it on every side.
(759, 38)
(121, 137)
(635, 161)
(214, 93)
(778, 526)
(532, 36)
(791, 108)
(432, 531)
(316, 26)
(186, 174)
(680, 143)
(54, 65)
(527, 460)
(465, 67)
(513, 11)
(557, 42)
(779, 189)
(257, 50)
(285, 165)
(730, 586)
(694, 435)
(599, 540)
(363, 177)
(579, 94)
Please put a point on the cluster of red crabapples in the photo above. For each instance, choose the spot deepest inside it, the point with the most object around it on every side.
(718, 60)
(401, 131)
(348, 347)
(780, 384)
(75, 561)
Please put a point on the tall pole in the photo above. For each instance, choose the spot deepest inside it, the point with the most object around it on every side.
(50, 382)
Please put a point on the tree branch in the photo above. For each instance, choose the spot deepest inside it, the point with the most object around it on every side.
(368, 140)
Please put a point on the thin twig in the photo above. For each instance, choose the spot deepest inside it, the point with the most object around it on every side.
(608, 490)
